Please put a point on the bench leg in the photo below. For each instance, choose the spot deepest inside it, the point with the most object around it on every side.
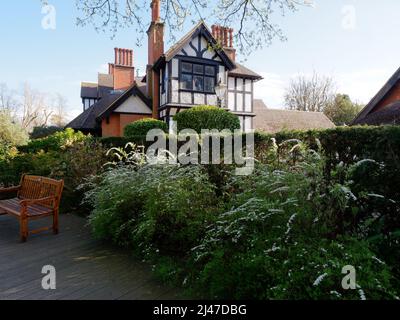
(55, 222)
(23, 229)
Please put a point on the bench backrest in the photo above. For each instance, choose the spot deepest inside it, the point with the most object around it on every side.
(35, 187)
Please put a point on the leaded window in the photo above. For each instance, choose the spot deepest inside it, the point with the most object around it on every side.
(197, 77)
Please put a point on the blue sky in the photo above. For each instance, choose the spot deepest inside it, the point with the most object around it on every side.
(354, 41)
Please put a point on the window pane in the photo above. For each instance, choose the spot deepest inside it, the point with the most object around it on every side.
(197, 68)
(239, 102)
(239, 83)
(209, 84)
(186, 67)
(198, 83)
(231, 83)
(248, 85)
(210, 71)
(187, 82)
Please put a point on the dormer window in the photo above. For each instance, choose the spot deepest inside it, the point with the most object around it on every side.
(88, 102)
(197, 77)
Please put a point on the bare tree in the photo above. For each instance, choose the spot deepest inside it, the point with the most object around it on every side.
(313, 93)
(59, 117)
(8, 101)
(35, 111)
(253, 18)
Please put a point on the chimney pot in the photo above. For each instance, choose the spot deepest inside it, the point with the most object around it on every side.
(155, 9)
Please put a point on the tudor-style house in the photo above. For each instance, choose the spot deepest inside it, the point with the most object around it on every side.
(184, 76)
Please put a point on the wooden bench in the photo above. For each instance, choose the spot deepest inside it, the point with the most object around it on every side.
(37, 197)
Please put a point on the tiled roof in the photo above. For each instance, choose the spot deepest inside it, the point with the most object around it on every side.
(241, 70)
(274, 120)
(389, 115)
(87, 119)
(369, 108)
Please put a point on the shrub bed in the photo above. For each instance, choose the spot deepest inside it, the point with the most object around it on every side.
(67, 155)
(284, 232)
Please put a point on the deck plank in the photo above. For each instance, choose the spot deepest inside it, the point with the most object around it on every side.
(87, 269)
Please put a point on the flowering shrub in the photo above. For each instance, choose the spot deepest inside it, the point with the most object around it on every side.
(154, 208)
(284, 232)
(274, 244)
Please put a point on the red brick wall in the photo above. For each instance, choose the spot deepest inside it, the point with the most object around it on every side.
(126, 119)
(392, 96)
(123, 77)
(117, 123)
(110, 128)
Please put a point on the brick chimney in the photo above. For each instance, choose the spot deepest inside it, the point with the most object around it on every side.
(122, 69)
(224, 36)
(155, 51)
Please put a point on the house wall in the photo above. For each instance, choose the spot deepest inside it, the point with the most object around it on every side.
(110, 127)
(133, 105)
(114, 126)
(392, 96)
(241, 100)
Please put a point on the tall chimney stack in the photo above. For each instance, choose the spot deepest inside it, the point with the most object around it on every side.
(122, 69)
(224, 37)
(155, 51)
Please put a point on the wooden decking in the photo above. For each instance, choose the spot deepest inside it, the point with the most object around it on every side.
(86, 269)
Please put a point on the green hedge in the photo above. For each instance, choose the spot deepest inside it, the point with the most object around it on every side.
(142, 127)
(43, 132)
(206, 117)
(54, 142)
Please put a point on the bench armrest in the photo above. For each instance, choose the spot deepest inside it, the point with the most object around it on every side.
(29, 202)
(9, 190)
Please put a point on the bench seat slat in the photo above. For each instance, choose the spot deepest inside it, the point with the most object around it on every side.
(13, 206)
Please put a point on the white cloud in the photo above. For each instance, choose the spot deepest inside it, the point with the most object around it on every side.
(363, 85)
(271, 89)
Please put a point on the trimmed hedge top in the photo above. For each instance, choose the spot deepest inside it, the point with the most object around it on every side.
(142, 127)
(207, 117)
(53, 142)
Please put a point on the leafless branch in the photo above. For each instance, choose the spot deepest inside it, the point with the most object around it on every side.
(253, 18)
